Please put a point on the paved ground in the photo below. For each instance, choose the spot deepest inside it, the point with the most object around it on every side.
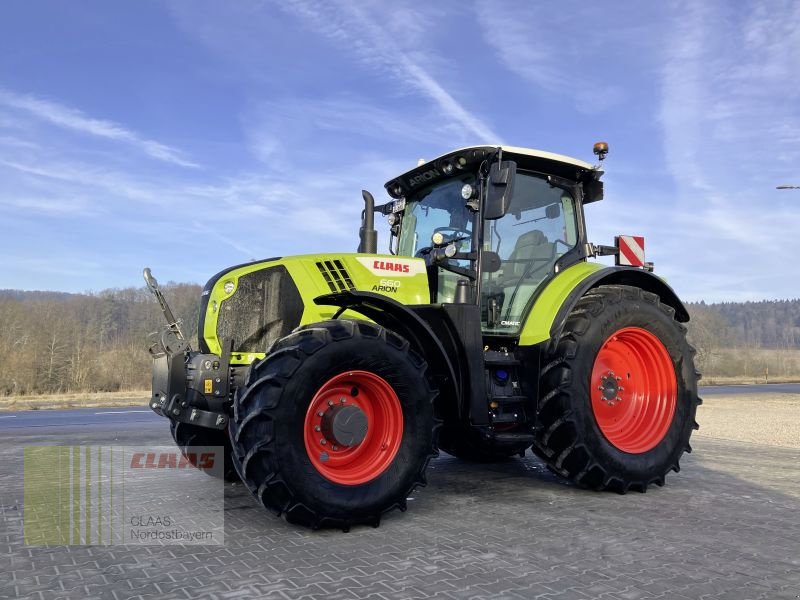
(90, 420)
(727, 526)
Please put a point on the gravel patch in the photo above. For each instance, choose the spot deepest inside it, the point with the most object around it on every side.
(771, 419)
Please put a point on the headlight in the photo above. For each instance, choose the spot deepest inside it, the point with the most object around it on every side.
(466, 191)
(228, 287)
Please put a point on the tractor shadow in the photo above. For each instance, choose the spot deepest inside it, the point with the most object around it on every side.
(720, 483)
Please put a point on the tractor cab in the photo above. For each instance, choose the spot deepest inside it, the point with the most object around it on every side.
(503, 221)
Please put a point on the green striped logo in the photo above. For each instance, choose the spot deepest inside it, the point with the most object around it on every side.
(76, 495)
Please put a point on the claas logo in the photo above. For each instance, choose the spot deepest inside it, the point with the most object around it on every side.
(172, 460)
(384, 265)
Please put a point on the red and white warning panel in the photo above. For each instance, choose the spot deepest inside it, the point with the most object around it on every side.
(631, 250)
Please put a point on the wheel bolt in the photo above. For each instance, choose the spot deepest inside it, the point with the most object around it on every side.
(320, 414)
(342, 399)
(334, 447)
(330, 402)
(317, 428)
(323, 441)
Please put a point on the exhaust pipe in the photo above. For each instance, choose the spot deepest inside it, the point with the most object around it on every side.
(368, 237)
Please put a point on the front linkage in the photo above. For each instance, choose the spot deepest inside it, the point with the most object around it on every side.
(188, 387)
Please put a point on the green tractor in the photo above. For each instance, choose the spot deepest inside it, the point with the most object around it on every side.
(332, 380)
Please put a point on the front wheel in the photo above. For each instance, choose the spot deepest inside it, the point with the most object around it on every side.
(188, 436)
(335, 426)
(618, 392)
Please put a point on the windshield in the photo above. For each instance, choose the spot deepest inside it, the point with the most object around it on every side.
(539, 227)
(440, 208)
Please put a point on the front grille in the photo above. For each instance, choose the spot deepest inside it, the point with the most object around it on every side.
(335, 275)
(265, 307)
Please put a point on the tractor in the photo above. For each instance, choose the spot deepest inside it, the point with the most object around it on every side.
(484, 331)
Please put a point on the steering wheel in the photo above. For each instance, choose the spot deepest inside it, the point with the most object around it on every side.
(456, 233)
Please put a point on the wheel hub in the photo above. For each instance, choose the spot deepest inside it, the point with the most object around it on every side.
(610, 388)
(344, 425)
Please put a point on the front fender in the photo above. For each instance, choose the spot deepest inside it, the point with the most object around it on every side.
(402, 320)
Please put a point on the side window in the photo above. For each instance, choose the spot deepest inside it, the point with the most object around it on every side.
(539, 227)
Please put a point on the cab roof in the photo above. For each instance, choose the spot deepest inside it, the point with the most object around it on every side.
(470, 157)
(534, 153)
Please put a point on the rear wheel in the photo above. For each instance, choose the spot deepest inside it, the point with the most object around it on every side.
(187, 436)
(618, 392)
(335, 426)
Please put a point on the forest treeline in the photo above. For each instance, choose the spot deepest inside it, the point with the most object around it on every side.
(52, 342)
(752, 341)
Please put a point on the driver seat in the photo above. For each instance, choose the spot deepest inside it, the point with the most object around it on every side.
(531, 246)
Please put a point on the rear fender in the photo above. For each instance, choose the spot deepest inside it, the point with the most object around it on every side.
(548, 315)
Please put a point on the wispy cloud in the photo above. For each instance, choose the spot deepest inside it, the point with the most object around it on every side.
(539, 47)
(351, 25)
(97, 178)
(69, 206)
(72, 119)
(255, 213)
(729, 105)
(730, 133)
(274, 128)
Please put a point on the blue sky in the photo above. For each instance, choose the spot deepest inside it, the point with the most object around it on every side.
(191, 135)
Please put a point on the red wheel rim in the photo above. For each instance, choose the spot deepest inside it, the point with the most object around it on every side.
(363, 461)
(633, 390)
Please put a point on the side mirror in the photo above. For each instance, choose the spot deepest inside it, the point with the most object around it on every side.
(500, 189)
(592, 191)
(491, 262)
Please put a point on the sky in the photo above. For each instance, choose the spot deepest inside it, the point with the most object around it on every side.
(191, 135)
